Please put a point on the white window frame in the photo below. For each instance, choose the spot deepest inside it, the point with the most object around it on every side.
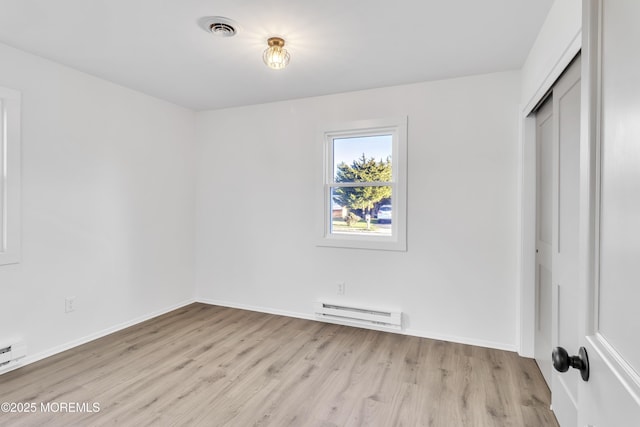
(397, 128)
(10, 101)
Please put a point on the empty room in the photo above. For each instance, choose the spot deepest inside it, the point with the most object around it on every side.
(330, 213)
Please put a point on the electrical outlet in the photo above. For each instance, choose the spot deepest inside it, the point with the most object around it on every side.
(341, 288)
(69, 304)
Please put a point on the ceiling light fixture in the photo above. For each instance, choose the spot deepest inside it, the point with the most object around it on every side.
(276, 56)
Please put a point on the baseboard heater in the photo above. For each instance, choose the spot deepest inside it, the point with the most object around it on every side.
(359, 316)
(11, 353)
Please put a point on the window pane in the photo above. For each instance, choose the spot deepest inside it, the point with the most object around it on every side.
(361, 210)
(362, 159)
(3, 149)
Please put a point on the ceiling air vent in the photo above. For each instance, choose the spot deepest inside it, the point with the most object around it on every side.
(222, 29)
(219, 26)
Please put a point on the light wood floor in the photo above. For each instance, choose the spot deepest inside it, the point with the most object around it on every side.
(204, 365)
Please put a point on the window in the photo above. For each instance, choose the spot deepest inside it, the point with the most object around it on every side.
(9, 176)
(364, 192)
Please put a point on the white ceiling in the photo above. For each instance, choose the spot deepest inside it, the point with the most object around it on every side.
(157, 46)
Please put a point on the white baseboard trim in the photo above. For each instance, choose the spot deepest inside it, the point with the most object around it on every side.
(462, 340)
(88, 338)
(267, 310)
(306, 316)
(409, 332)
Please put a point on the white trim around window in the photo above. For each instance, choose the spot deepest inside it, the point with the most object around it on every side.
(396, 128)
(9, 176)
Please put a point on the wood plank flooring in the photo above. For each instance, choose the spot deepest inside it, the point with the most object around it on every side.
(205, 365)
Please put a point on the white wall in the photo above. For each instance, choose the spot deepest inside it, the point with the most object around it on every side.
(107, 206)
(556, 44)
(257, 170)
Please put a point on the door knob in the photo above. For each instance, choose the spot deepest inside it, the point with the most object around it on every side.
(562, 361)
